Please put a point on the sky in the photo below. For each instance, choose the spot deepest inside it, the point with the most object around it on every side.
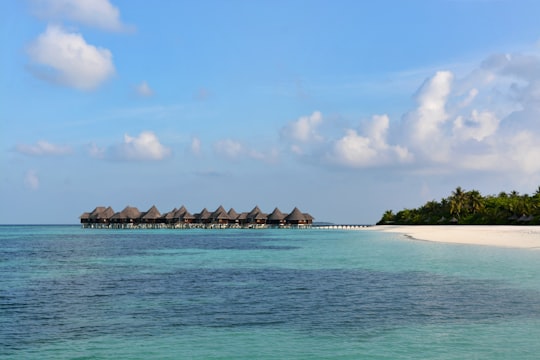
(342, 108)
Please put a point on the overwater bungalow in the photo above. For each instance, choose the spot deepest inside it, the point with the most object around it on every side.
(126, 218)
(256, 217)
(233, 217)
(219, 216)
(203, 217)
(276, 218)
(131, 217)
(151, 218)
(99, 217)
(168, 218)
(297, 219)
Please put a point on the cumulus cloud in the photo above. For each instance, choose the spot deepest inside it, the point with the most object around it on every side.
(144, 90)
(67, 59)
(486, 120)
(31, 180)
(43, 148)
(493, 127)
(146, 146)
(424, 124)
(371, 149)
(304, 129)
(95, 13)
(477, 126)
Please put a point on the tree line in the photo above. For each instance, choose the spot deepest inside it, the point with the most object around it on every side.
(471, 208)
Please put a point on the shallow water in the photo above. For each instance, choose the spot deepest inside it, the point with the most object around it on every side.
(66, 292)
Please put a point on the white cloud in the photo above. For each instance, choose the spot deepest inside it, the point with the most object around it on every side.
(65, 58)
(423, 125)
(144, 90)
(524, 151)
(478, 126)
(228, 148)
(43, 148)
(146, 146)
(31, 180)
(484, 121)
(304, 129)
(473, 93)
(354, 150)
(96, 13)
(495, 124)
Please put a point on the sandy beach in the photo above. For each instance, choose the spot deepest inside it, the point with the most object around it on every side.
(491, 235)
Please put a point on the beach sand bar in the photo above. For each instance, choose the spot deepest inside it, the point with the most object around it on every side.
(490, 235)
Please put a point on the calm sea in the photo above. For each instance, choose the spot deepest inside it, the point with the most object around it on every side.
(69, 293)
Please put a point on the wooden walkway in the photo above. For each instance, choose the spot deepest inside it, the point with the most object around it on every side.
(341, 227)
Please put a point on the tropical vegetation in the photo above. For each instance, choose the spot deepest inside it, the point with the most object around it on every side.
(471, 208)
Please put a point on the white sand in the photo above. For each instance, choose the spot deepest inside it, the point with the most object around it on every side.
(503, 236)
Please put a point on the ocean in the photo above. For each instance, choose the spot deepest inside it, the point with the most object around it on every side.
(72, 293)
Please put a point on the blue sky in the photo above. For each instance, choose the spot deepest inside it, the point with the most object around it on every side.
(342, 108)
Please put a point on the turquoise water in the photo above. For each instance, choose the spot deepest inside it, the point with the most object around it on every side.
(69, 293)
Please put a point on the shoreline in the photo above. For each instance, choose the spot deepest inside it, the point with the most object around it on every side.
(509, 236)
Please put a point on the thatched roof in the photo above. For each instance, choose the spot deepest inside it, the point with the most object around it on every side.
(187, 216)
(203, 215)
(107, 214)
(233, 215)
(152, 214)
(101, 212)
(242, 216)
(220, 214)
(308, 217)
(179, 214)
(296, 215)
(525, 218)
(276, 215)
(253, 212)
(85, 216)
(129, 212)
(95, 213)
(260, 216)
(182, 210)
(169, 215)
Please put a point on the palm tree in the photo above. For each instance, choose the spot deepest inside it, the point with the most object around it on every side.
(476, 201)
(387, 217)
(457, 201)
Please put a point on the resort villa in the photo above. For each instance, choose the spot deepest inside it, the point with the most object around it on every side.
(131, 217)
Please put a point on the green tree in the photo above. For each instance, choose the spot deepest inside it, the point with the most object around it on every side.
(475, 200)
(457, 202)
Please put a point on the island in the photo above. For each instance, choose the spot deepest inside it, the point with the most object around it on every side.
(471, 208)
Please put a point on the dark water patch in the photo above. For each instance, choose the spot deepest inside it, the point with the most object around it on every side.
(333, 301)
(108, 243)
